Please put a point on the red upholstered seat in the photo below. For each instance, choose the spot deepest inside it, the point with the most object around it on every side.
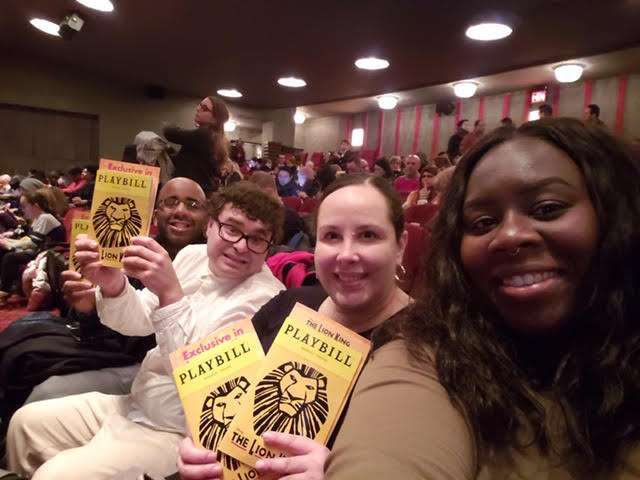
(414, 259)
(309, 205)
(292, 202)
(420, 213)
(318, 159)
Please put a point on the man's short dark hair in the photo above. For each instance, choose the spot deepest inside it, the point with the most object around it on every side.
(475, 124)
(594, 110)
(546, 109)
(254, 202)
(461, 121)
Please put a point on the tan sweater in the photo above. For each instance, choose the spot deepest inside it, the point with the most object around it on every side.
(402, 425)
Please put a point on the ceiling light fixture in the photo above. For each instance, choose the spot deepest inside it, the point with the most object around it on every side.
(230, 126)
(291, 82)
(569, 72)
(46, 26)
(229, 92)
(371, 63)
(488, 31)
(465, 89)
(299, 118)
(100, 5)
(387, 102)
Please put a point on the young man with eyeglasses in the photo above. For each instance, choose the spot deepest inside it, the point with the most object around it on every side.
(205, 288)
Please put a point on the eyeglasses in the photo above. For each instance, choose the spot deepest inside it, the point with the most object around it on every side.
(231, 234)
(172, 202)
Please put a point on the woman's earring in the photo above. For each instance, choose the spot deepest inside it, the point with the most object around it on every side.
(403, 273)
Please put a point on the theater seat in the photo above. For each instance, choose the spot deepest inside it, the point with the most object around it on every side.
(292, 202)
(318, 159)
(309, 205)
(414, 259)
(421, 214)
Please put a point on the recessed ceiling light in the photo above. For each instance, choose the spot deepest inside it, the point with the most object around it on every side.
(231, 93)
(230, 126)
(372, 63)
(299, 118)
(488, 31)
(46, 26)
(569, 72)
(465, 89)
(101, 5)
(387, 102)
(291, 82)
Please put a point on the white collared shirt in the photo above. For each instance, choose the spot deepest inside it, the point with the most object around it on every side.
(209, 304)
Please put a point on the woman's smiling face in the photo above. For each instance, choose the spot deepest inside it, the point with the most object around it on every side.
(530, 232)
(357, 251)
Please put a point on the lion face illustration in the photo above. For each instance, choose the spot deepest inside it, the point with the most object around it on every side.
(116, 220)
(218, 409)
(291, 399)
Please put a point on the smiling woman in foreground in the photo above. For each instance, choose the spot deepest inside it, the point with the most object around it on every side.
(522, 362)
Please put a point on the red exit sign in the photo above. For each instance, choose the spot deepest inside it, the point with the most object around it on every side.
(539, 96)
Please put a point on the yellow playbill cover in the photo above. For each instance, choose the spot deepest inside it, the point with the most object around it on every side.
(122, 208)
(303, 384)
(126, 167)
(79, 224)
(213, 376)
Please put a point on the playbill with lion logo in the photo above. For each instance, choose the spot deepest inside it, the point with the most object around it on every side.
(213, 376)
(79, 224)
(121, 208)
(302, 386)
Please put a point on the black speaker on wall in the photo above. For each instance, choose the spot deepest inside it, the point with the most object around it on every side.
(156, 92)
(445, 108)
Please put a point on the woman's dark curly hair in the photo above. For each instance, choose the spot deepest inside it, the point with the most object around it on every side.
(596, 379)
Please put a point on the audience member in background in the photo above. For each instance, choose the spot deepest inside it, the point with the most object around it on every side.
(506, 122)
(353, 163)
(58, 178)
(382, 168)
(31, 185)
(152, 149)
(396, 166)
(453, 147)
(441, 183)
(83, 196)
(5, 184)
(293, 223)
(424, 159)
(426, 193)
(307, 182)
(57, 201)
(286, 185)
(229, 173)
(545, 111)
(470, 140)
(54, 361)
(524, 357)
(204, 149)
(15, 253)
(356, 259)
(592, 115)
(325, 176)
(101, 436)
(410, 181)
(37, 174)
(77, 182)
(339, 157)
(442, 161)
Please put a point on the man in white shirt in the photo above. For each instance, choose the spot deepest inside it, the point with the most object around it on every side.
(208, 286)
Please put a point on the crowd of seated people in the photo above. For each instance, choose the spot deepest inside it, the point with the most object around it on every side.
(517, 357)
